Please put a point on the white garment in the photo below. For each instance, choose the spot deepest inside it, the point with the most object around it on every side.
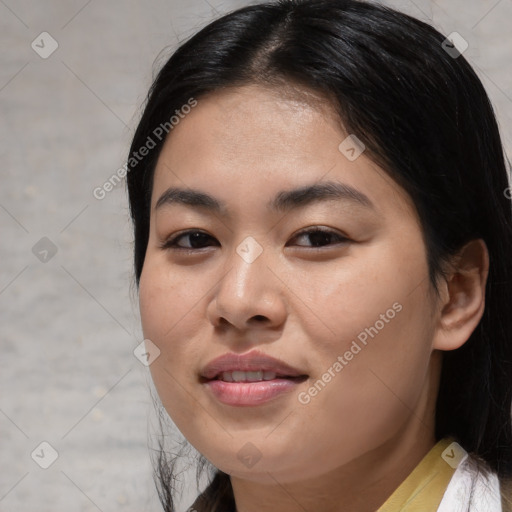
(486, 491)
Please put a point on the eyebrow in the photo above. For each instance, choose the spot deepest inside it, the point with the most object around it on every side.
(284, 201)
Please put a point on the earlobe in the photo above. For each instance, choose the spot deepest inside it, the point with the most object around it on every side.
(463, 303)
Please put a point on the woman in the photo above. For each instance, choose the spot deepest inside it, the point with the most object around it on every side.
(323, 248)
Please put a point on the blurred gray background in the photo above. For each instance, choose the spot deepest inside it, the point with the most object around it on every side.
(69, 317)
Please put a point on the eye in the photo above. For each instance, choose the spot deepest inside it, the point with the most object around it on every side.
(321, 237)
(197, 240)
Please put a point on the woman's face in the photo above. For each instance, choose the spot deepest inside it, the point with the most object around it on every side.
(333, 282)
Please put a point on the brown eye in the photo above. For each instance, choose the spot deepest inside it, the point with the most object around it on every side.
(196, 240)
(321, 237)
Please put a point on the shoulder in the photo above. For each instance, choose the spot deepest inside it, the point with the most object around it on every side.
(472, 488)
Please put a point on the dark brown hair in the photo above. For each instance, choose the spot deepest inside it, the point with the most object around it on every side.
(424, 116)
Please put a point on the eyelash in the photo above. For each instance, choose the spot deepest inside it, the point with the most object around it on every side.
(171, 243)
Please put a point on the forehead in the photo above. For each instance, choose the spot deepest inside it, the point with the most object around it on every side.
(254, 140)
(251, 124)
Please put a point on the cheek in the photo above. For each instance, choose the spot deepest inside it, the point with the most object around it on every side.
(172, 309)
(372, 364)
(165, 299)
(358, 402)
(167, 307)
(362, 297)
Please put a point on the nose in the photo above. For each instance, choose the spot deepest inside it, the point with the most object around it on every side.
(250, 294)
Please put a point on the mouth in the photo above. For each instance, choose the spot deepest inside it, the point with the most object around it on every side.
(249, 380)
(240, 376)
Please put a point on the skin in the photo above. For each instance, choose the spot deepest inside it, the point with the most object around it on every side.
(357, 439)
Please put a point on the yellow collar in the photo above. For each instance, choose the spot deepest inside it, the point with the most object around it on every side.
(423, 489)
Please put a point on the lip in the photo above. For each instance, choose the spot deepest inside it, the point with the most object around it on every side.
(250, 393)
(251, 361)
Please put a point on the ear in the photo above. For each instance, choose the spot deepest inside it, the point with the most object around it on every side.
(462, 296)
